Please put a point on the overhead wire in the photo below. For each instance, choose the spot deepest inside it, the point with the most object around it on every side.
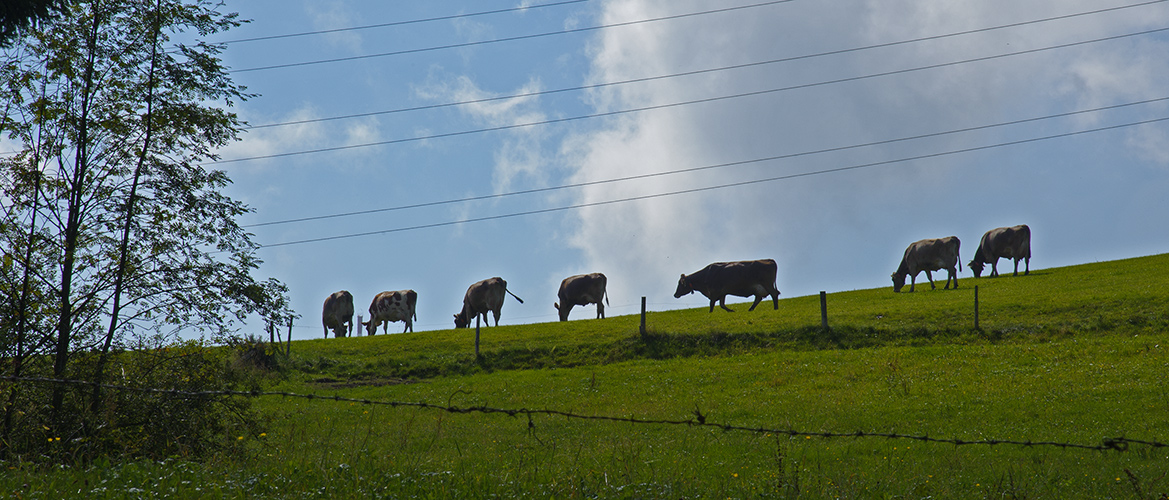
(704, 167)
(703, 71)
(715, 187)
(402, 23)
(510, 39)
(684, 103)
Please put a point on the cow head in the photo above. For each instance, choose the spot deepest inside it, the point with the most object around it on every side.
(341, 330)
(462, 320)
(563, 311)
(370, 327)
(976, 266)
(898, 281)
(684, 287)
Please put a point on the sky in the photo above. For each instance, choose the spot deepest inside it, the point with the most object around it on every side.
(432, 145)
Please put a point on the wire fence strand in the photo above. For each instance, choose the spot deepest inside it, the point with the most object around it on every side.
(696, 419)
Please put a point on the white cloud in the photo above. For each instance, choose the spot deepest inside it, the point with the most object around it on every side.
(519, 156)
(647, 243)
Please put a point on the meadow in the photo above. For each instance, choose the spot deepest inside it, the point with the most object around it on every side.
(1064, 359)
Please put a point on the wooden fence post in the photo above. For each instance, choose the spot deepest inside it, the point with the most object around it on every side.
(823, 310)
(288, 352)
(476, 336)
(976, 327)
(642, 329)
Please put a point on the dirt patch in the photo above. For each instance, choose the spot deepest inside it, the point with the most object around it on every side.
(332, 383)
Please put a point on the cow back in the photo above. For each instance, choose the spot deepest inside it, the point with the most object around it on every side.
(582, 289)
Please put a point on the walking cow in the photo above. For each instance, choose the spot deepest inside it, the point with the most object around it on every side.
(1010, 242)
(581, 290)
(388, 307)
(481, 297)
(742, 279)
(338, 314)
(929, 255)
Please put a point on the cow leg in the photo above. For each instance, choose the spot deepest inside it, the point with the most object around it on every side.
(723, 304)
(775, 299)
(712, 301)
(951, 274)
(496, 314)
(758, 299)
(994, 267)
(600, 311)
(930, 276)
(1027, 262)
(912, 282)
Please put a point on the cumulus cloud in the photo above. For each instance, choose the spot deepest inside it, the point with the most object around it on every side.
(803, 222)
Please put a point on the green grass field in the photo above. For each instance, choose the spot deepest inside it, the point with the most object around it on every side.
(1070, 355)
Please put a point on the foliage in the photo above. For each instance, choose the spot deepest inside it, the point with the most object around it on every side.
(114, 237)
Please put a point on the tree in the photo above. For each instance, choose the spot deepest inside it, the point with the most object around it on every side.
(18, 15)
(107, 208)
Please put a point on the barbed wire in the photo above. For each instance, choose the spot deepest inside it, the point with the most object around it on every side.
(697, 418)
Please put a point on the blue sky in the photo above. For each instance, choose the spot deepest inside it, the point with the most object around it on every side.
(818, 82)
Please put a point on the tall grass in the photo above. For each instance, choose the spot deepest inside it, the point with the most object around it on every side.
(1070, 355)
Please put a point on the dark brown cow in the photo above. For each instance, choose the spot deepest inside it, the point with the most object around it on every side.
(929, 255)
(484, 296)
(581, 290)
(742, 279)
(338, 314)
(388, 307)
(1010, 242)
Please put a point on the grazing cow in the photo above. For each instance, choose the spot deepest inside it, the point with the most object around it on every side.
(388, 307)
(486, 295)
(581, 290)
(1010, 242)
(929, 255)
(743, 279)
(338, 314)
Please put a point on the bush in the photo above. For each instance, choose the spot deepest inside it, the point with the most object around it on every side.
(156, 403)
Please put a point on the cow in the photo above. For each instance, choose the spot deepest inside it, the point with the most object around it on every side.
(743, 279)
(481, 297)
(388, 307)
(581, 290)
(338, 314)
(1010, 242)
(929, 255)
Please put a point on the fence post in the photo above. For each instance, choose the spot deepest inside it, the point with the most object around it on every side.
(976, 327)
(823, 310)
(271, 333)
(356, 328)
(476, 336)
(642, 329)
(288, 352)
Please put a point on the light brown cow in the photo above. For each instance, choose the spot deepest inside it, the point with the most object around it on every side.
(581, 290)
(388, 307)
(929, 255)
(338, 314)
(743, 279)
(481, 297)
(1010, 242)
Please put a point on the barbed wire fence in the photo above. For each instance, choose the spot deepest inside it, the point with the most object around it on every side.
(697, 418)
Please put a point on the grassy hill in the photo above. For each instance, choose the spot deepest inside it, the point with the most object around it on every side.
(1070, 355)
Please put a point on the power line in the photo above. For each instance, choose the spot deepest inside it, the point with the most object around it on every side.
(403, 23)
(705, 71)
(685, 103)
(705, 167)
(716, 187)
(511, 39)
